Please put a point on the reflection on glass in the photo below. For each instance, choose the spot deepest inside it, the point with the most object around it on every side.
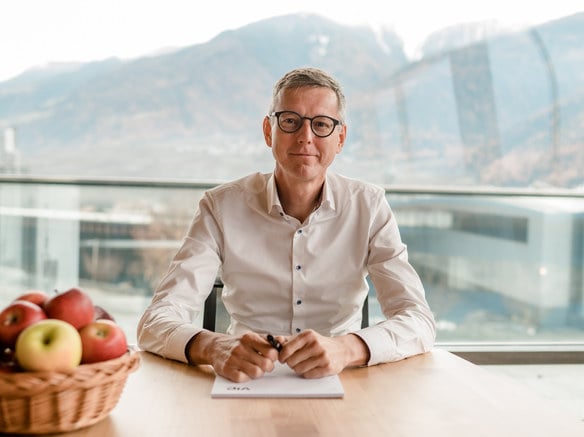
(495, 268)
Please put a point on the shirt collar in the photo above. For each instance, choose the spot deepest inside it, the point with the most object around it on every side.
(273, 201)
(327, 195)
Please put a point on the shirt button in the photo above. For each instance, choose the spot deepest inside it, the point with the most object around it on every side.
(298, 267)
(281, 214)
(299, 231)
(298, 302)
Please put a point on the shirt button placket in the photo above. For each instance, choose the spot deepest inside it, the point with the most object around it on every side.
(298, 286)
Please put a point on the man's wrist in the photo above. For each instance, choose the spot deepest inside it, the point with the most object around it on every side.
(200, 348)
(188, 349)
(359, 353)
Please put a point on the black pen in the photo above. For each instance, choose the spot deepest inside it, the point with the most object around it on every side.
(275, 343)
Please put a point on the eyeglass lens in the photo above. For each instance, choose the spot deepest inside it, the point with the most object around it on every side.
(321, 125)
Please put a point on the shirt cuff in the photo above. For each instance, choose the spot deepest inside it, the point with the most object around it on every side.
(379, 343)
(177, 342)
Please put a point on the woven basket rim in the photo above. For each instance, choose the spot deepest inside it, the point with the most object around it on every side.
(24, 383)
(55, 402)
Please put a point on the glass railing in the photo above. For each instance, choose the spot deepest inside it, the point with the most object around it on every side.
(499, 266)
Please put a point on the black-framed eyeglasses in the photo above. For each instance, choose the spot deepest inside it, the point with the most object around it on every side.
(289, 121)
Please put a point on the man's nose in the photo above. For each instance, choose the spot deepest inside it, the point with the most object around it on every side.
(306, 128)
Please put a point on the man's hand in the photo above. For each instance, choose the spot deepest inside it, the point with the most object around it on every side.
(314, 356)
(239, 359)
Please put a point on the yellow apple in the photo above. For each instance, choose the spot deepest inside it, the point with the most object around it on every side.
(51, 345)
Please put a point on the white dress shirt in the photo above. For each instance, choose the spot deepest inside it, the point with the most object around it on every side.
(282, 276)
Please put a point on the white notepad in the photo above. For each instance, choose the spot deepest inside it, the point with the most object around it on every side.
(282, 382)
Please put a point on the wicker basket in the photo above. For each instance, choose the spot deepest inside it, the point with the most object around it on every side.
(49, 402)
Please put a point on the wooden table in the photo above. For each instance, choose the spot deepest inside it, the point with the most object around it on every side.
(434, 394)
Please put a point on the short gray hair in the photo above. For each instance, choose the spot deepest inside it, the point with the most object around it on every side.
(309, 77)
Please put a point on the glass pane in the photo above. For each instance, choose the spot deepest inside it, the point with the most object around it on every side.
(113, 242)
(498, 268)
(495, 267)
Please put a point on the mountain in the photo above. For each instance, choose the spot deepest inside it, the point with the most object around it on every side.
(196, 112)
(201, 101)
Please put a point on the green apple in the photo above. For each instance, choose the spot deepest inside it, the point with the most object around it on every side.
(50, 345)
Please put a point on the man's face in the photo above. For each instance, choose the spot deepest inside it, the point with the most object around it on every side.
(302, 156)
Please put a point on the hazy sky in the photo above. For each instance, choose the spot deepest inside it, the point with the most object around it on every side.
(35, 32)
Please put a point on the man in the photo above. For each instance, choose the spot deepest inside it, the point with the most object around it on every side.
(294, 248)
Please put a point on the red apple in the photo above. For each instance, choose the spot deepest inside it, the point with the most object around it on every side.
(16, 317)
(73, 306)
(35, 296)
(102, 340)
(101, 314)
(48, 345)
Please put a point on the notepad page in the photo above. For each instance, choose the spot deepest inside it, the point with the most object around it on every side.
(282, 382)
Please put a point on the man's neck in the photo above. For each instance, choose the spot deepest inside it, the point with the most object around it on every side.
(300, 200)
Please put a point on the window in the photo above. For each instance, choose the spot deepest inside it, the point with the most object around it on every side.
(478, 140)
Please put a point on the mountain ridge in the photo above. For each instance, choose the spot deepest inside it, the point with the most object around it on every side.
(203, 104)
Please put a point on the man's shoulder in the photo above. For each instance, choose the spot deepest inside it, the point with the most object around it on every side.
(253, 183)
(353, 186)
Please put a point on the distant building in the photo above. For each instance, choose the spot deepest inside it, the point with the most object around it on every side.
(521, 256)
(9, 156)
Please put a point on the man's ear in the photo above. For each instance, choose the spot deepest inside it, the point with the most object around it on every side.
(342, 137)
(267, 127)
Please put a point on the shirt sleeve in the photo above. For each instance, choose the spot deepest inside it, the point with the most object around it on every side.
(409, 328)
(167, 323)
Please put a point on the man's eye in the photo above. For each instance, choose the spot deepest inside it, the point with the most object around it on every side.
(289, 121)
